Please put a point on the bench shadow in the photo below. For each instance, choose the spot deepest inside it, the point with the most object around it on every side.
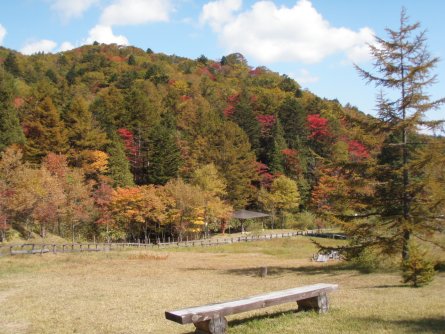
(269, 315)
(409, 326)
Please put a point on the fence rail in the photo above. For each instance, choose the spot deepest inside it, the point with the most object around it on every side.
(42, 248)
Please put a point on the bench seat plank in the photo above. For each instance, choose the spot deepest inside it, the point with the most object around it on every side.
(206, 312)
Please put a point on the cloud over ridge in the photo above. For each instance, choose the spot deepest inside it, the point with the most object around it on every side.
(43, 45)
(271, 33)
(2, 33)
(130, 12)
(70, 9)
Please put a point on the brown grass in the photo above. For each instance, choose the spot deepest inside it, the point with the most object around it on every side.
(128, 292)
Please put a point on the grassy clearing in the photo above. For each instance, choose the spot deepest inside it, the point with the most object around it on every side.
(128, 292)
(298, 247)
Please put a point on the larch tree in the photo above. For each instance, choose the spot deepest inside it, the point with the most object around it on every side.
(213, 189)
(44, 130)
(406, 201)
(83, 130)
(283, 196)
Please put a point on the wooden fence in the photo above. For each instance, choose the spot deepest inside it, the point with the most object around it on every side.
(42, 248)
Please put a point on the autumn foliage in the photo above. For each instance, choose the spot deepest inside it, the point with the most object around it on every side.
(318, 127)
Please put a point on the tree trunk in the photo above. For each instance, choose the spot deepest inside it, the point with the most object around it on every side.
(43, 230)
(223, 226)
(405, 249)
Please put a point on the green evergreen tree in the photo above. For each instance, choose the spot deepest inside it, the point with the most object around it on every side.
(272, 146)
(109, 108)
(164, 157)
(244, 116)
(11, 65)
(131, 60)
(10, 129)
(293, 119)
(118, 164)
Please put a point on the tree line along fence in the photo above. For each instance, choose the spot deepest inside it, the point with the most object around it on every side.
(43, 248)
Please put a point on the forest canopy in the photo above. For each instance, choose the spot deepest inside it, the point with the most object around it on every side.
(117, 143)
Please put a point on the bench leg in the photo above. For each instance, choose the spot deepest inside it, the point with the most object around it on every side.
(217, 325)
(319, 304)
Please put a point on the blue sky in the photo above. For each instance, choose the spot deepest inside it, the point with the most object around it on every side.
(313, 41)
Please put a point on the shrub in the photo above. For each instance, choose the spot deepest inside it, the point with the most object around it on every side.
(304, 220)
(366, 260)
(417, 270)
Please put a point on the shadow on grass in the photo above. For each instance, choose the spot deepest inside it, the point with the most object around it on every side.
(270, 315)
(274, 315)
(426, 325)
(334, 269)
(440, 266)
(391, 286)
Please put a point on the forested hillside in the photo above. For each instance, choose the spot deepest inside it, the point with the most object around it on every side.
(117, 142)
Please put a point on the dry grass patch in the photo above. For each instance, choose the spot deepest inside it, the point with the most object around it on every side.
(128, 292)
(148, 256)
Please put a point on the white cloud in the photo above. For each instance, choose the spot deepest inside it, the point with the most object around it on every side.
(128, 12)
(66, 46)
(304, 77)
(104, 34)
(68, 9)
(2, 33)
(218, 13)
(269, 33)
(360, 51)
(44, 45)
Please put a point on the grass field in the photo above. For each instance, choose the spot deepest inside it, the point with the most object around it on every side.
(128, 292)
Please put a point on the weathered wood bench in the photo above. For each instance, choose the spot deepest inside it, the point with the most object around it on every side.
(211, 318)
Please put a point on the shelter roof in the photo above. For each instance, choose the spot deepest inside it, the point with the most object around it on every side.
(246, 214)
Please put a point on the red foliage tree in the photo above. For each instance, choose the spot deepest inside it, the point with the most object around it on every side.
(266, 123)
(256, 71)
(5, 195)
(206, 71)
(232, 101)
(56, 164)
(266, 178)
(357, 150)
(129, 142)
(291, 161)
(102, 199)
(318, 127)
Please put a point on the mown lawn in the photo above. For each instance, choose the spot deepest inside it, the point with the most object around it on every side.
(128, 292)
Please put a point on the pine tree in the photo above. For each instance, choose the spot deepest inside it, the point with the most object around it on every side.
(244, 116)
(293, 119)
(11, 65)
(118, 164)
(10, 129)
(163, 155)
(407, 199)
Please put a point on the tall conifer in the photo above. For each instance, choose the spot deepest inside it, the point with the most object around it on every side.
(406, 201)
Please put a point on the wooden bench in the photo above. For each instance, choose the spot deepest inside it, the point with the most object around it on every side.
(211, 318)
